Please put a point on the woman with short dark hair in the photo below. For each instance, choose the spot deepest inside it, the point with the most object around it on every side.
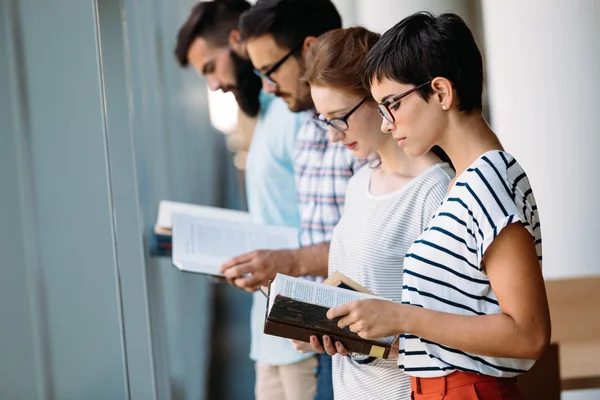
(474, 313)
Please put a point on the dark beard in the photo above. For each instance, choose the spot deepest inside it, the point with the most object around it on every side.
(248, 85)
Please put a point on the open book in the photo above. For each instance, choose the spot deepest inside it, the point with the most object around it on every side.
(203, 238)
(297, 308)
(162, 236)
(167, 209)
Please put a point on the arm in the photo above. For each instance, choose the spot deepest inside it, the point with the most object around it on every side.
(312, 260)
(520, 330)
(257, 268)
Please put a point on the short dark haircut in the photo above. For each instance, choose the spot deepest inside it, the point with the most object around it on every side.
(211, 20)
(422, 47)
(290, 21)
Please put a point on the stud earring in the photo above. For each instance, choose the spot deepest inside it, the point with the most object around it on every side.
(444, 108)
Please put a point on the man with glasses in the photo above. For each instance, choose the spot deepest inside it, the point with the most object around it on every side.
(210, 42)
(277, 34)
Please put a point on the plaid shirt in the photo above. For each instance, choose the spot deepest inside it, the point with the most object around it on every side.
(322, 173)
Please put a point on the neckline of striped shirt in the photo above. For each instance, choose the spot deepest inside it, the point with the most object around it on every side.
(415, 180)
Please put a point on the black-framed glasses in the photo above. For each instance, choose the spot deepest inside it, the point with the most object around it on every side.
(266, 76)
(384, 107)
(340, 124)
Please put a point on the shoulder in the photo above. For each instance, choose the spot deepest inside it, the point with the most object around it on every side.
(265, 100)
(494, 190)
(495, 174)
(275, 109)
(357, 189)
(438, 176)
(308, 129)
(431, 190)
(360, 179)
(282, 124)
(434, 182)
(499, 194)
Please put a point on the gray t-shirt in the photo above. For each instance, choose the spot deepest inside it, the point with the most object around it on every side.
(368, 246)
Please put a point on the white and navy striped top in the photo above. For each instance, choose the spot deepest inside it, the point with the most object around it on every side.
(443, 269)
(369, 245)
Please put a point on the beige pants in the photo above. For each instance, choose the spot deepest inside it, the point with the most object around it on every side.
(286, 382)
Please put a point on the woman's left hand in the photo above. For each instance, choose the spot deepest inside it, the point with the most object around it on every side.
(370, 319)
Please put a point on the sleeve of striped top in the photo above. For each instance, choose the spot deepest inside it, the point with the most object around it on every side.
(495, 204)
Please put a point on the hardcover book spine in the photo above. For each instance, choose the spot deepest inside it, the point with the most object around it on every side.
(297, 333)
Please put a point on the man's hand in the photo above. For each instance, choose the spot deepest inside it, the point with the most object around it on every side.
(328, 346)
(370, 319)
(257, 268)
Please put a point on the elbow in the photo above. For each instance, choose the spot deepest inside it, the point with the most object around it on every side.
(539, 347)
(537, 343)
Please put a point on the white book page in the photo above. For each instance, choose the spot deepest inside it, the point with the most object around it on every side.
(319, 294)
(203, 244)
(166, 210)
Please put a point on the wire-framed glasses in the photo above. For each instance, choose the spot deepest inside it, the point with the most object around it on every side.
(340, 124)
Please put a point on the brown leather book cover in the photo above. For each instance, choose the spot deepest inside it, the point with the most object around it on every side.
(297, 320)
(294, 332)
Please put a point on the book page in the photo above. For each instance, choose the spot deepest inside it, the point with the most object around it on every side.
(202, 244)
(319, 294)
(166, 210)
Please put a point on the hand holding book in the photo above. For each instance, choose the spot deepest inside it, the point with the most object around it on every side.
(369, 318)
(328, 346)
(315, 346)
(251, 270)
(297, 310)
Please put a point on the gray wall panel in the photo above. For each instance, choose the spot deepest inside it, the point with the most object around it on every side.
(131, 266)
(74, 330)
(72, 199)
(17, 369)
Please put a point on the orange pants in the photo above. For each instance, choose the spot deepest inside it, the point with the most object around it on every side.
(465, 386)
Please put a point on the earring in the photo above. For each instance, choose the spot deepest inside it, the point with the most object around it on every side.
(444, 108)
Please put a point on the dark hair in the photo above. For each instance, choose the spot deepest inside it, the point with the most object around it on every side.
(336, 59)
(290, 21)
(422, 47)
(212, 20)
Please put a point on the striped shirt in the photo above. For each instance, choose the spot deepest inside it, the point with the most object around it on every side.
(443, 268)
(322, 173)
(368, 246)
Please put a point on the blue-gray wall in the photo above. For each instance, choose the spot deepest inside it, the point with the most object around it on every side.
(61, 302)
(97, 124)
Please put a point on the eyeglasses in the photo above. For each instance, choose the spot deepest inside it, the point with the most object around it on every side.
(266, 76)
(384, 107)
(340, 124)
